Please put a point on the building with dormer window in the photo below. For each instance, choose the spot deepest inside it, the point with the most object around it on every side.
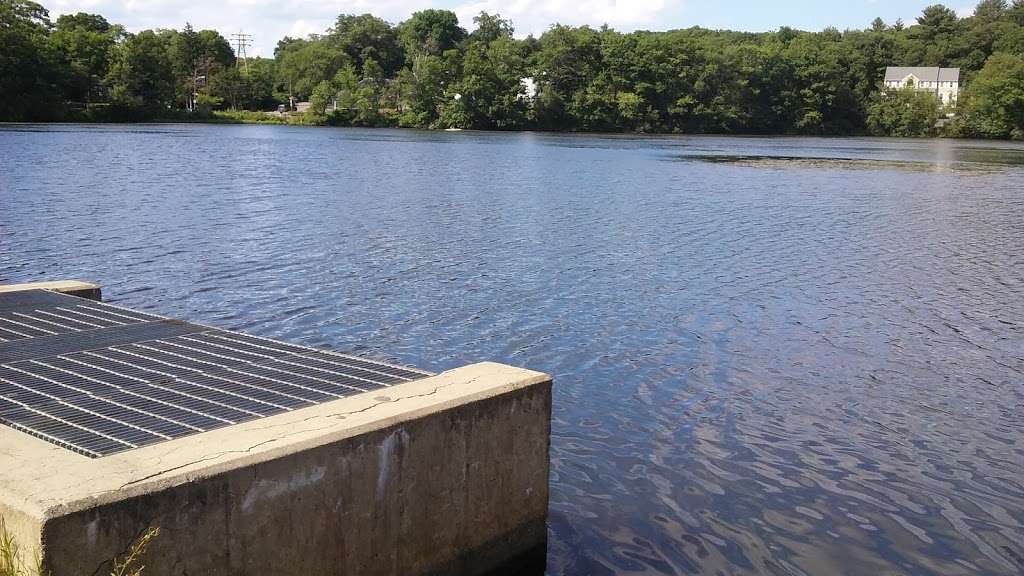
(943, 82)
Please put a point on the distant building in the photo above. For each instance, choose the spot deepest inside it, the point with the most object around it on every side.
(943, 82)
(529, 88)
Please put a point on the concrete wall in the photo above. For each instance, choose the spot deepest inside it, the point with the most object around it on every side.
(450, 477)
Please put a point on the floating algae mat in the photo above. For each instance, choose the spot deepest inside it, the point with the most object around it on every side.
(834, 163)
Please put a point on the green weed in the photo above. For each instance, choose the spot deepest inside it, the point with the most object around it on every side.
(127, 564)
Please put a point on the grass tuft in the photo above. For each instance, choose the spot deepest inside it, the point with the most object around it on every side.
(11, 562)
(127, 564)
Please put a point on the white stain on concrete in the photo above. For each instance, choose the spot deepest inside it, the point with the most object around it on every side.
(269, 489)
(384, 452)
(92, 530)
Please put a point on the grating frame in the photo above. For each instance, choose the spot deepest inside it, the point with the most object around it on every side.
(100, 379)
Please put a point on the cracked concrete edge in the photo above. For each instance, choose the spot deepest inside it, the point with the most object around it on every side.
(43, 481)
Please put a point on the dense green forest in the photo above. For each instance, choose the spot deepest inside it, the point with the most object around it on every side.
(429, 71)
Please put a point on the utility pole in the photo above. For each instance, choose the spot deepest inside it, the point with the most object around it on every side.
(242, 41)
(198, 81)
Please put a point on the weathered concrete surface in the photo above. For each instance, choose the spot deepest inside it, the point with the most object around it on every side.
(69, 287)
(448, 474)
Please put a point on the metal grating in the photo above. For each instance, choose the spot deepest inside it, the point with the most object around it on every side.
(99, 379)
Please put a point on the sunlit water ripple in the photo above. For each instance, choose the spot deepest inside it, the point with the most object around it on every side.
(772, 356)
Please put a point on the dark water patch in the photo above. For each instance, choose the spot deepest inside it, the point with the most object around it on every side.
(173, 130)
(851, 163)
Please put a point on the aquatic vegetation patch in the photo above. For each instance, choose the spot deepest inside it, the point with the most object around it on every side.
(834, 163)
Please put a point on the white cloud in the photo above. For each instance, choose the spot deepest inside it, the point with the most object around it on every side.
(302, 28)
(267, 20)
(535, 16)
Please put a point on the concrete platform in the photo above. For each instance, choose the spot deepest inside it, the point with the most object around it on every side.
(444, 474)
(70, 287)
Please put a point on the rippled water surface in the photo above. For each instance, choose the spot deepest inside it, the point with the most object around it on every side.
(771, 356)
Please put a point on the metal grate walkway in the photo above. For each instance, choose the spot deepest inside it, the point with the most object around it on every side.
(99, 379)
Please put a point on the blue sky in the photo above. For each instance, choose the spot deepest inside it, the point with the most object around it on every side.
(269, 20)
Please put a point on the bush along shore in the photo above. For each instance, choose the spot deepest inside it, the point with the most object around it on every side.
(431, 72)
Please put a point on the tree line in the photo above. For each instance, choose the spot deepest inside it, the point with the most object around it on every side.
(431, 72)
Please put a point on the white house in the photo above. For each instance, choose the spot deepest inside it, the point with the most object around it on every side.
(529, 88)
(943, 82)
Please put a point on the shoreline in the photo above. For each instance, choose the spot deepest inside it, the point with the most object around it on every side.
(300, 124)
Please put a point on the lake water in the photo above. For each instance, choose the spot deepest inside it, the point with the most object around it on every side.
(771, 356)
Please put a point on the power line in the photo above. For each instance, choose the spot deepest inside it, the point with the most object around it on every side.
(242, 42)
